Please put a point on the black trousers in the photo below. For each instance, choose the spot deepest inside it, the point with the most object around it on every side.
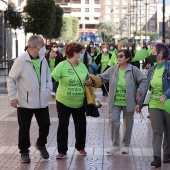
(79, 119)
(24, 120)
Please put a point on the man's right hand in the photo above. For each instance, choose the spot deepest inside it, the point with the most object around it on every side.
(14, 103)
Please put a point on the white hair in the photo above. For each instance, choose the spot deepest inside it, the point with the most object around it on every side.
(34, 40)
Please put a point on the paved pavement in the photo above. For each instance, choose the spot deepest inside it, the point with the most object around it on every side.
(98, 141)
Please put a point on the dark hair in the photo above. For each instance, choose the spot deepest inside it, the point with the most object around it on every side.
(53, 43)
(73, 47)
(127, 54)
(161, 47)
(91, 42)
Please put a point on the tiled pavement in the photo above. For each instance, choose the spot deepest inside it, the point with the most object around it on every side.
(98, 140)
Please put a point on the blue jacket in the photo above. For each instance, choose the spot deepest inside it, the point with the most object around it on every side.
(165, 80)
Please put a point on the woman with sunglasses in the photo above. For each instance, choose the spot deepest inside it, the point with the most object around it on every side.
(54, 57)
(122, 80)
(159, 82)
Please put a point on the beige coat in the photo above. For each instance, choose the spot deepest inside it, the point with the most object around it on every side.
(23, 85)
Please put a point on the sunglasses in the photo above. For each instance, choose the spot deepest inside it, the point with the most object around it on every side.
(120, 56)
(55, 46)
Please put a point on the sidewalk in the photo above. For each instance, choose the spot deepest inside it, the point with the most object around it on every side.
(98, 141)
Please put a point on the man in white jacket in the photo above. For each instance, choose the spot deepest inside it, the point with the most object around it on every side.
(29, 85)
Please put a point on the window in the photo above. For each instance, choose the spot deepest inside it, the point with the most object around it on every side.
(79, 18)
(108, 2)
(152, 8)
(96, 10)
(116, 16)
(76, 1)
(152, 1)
(96, 18)
(86, 1)
(116, 7)
(76, 10)
(90, 26)
(86, 18)
(96, 1)
(66, 10)
(59, 1)
(107, 8)
(86, 9)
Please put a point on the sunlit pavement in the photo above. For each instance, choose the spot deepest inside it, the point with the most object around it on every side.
(98, 141)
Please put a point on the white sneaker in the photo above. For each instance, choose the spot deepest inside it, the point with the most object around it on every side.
(125, 150)
(112, 150)
(53, 94)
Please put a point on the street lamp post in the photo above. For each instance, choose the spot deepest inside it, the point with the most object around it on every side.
(3, 6)
(163, 23)
(140, 25)
(146, 22)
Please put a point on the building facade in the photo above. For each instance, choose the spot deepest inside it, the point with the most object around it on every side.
(87, 11)
(131, 16)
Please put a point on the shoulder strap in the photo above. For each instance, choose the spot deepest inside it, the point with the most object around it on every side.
(77, 76)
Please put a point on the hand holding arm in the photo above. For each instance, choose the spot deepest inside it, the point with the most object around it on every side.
(89, 81)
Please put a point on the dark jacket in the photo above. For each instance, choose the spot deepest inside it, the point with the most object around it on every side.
(98, 61)
(58, 59)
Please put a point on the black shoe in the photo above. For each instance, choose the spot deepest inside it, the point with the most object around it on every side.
(25, 157)
(166, 158)
(156, 162)
(43, 151)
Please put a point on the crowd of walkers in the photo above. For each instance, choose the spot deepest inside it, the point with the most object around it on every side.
(63, 72)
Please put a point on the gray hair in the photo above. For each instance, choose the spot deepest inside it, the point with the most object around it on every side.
(34, 40)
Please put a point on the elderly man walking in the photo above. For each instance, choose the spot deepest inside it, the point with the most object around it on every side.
(29, 85)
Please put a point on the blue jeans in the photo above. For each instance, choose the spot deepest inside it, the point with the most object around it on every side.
(55, 85)
(92, 70)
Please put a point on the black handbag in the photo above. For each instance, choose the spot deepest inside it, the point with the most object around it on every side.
(90, 109)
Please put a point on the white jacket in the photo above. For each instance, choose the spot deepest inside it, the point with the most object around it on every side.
(23, 85)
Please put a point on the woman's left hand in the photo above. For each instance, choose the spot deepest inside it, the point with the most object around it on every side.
(88, 82)
(137, 109)
(162, 99)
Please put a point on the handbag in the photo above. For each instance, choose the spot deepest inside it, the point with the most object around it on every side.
(148, 96)
(91, 110)
(95, 66)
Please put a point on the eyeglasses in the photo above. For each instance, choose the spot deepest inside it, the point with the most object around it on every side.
(120, 56)
(55, 46)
